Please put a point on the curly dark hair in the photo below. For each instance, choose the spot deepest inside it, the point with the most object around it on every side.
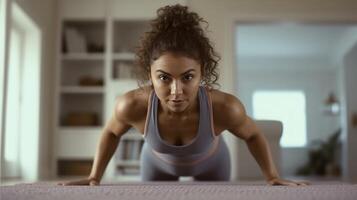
(179, 31)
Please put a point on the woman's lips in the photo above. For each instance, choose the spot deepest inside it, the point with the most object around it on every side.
(176, 102)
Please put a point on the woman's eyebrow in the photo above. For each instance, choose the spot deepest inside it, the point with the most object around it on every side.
(159, 70)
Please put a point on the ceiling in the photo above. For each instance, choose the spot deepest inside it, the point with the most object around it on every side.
(284, 41)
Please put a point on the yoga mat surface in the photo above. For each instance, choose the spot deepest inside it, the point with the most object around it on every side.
(179, 190)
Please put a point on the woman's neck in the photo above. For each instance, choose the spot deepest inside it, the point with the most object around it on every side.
(184, 115)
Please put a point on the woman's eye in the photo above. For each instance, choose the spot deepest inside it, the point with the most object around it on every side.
(163, 78)
(188, 77)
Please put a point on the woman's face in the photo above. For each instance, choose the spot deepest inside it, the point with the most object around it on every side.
(176, 81)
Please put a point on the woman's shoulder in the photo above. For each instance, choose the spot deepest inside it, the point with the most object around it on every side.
(132, 106)
(220, 98)
(225, 106)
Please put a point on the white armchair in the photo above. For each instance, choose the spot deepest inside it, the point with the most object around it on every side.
(248, 168)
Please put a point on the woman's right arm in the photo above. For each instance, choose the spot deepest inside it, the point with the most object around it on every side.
(117, 126)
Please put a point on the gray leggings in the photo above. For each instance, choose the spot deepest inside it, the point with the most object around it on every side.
(215, 168)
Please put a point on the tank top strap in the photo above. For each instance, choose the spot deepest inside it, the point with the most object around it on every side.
(148, 113)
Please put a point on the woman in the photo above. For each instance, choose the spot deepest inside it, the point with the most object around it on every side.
(177, 110)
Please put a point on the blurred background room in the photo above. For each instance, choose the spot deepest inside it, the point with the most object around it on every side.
(63, 63)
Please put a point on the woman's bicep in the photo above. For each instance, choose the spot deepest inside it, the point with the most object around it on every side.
(238, 122)
(117, 127)
(119, 122)
(246, 129)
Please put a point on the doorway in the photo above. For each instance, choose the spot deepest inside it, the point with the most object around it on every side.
(275, 57)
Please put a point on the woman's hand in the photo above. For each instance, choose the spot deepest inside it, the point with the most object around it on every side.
(88, 181)
(279, 181)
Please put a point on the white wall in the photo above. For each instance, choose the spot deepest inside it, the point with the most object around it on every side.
(43, 13)
(316, 83)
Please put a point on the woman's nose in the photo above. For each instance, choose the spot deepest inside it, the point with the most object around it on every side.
(176, 87)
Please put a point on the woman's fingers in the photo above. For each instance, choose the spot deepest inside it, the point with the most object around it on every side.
(93, 183)
(300, 183)
(79, 182)
(303, 183)
(287, 182)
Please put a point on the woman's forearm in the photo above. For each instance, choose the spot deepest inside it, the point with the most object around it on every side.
(105, 150)
(260, 150)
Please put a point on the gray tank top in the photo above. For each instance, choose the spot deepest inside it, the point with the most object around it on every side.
(204, 141)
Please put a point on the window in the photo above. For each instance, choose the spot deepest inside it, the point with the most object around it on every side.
(13, 97)
(3, 43)
(21, 131)
(287, 107)
(13, 103)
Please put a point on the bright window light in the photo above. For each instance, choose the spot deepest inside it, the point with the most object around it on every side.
(13, 99)
(289, 107)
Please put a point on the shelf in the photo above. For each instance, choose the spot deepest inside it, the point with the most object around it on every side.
(82, 73)
(83, 56)
(94, 70)
(83, 36)
(128, 167)
(132, 136)
(79, 108)
(123, 177)
(68, 167)
(79, 129)
(82, 89)
(124, 56)
(123, 69)
(128, 163)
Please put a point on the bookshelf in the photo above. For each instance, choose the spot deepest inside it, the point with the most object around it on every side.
(95, 55)
(80, 94)
(126, 35)
(85, 87)
(86, 84)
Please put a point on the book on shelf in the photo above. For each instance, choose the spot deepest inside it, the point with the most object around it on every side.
(128, 170)
(123, 70)
(135, 150)
(119, 154)
(129, 150)
(131, 171)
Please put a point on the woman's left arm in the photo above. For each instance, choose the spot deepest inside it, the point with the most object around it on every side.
(242, 126)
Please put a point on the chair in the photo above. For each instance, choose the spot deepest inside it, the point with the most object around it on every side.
(247, 167)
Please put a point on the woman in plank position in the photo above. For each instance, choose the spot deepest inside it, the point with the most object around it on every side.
(177, 110)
